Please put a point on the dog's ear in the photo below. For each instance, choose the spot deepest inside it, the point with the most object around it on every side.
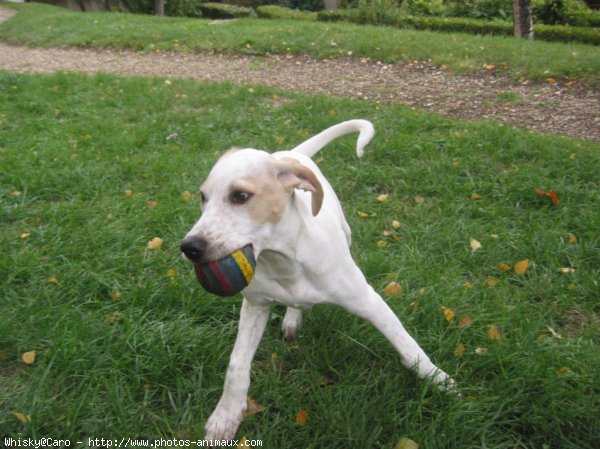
(293, 175)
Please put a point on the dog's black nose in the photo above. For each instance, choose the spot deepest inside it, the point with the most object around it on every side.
(193, 248)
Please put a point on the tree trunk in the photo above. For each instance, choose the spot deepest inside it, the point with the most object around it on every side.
(523, 19)
(159, 7)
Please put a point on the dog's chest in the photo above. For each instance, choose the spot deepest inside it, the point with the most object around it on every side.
(281, 280)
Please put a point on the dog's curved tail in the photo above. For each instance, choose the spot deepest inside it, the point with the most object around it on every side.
(311, 146)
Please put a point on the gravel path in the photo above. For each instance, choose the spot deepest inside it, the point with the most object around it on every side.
(560, 108)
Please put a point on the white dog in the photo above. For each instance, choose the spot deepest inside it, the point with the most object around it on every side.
(284, 207)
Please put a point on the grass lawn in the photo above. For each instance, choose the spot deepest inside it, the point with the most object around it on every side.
(128, 345)
(42, 25)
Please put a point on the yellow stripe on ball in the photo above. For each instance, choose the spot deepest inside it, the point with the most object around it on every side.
(245, 266)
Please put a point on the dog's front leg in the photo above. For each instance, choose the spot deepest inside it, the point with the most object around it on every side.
(227, 416)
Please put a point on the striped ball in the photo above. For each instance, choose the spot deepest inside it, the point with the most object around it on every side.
(229, 275)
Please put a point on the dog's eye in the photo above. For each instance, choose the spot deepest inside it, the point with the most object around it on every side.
(240, 197)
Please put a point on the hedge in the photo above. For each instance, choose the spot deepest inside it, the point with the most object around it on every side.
(279, 12)
(224, 11)
(585, 35)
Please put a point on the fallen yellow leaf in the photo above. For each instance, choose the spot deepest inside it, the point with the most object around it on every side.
(494, 332)
(253, 407)
(383, 197)
(571, 238)
(152, 204)
(521, 267)
(504, 267)
(475, 244)
(53, 280)
(491, 281)
(186, 197)
(28, 358)
(448, 314)
(243, 442)
(113, 318)
(155, 243)
(128, 192)
(302, 417)
(382, 244)
(116, 295)
(396, 224)
(563, 370)
(465, 321)
(459, 350)
(362, 214)
(475, 196)
(25, 235)
(392, 290)
(25, 419)
(406, 443)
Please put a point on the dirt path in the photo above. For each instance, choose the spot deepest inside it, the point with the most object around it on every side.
(572, 110)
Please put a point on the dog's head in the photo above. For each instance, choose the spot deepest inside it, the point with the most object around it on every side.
(245, 195)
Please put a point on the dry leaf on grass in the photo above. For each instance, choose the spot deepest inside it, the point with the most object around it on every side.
(448, 314)
(406, 443)
(504, 267)
(465, 321)
(22, 417)
(494, 333)
(302, 417)
(28, 358)
(155, 243)
(253, 407)
(392, 290)
(521, 267)
(475, 244)
(459, 350)
(551, 194)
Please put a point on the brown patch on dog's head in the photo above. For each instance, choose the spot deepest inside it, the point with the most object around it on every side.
(269, 198)
(266, 193)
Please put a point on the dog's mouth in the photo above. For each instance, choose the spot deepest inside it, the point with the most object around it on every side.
(228, 275)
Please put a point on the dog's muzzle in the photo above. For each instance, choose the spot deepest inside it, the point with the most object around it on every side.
(225, 276)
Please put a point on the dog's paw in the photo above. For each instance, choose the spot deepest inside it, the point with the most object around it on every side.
(222, 425)
(445, 383)
(292, 321)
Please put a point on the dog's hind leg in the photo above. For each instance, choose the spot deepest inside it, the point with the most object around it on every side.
(374, 309)
(292, 321)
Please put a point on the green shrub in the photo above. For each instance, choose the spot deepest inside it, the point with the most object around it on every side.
(585, 35)
(382, 12)
(479, 9)
(182, 8)
(424, 7)
(303, 5)
(224, 11)
(279, 12)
